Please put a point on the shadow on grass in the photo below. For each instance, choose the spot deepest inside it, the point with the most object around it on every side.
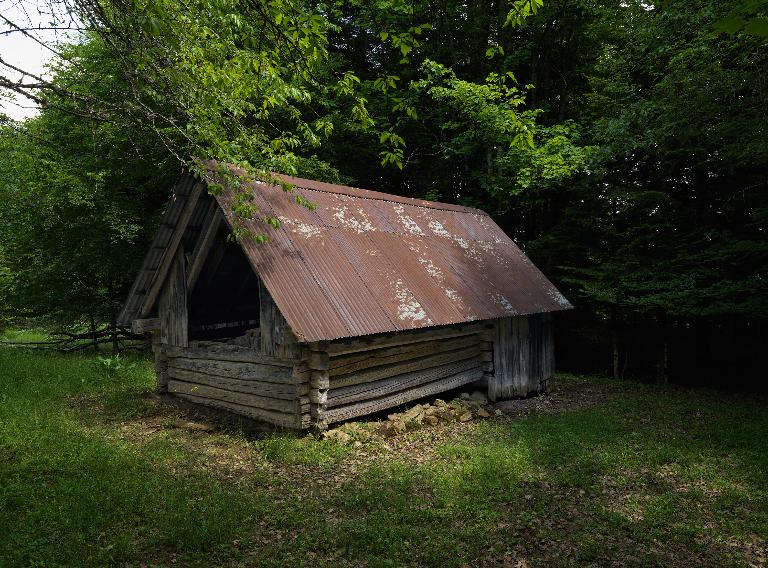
(650, 478)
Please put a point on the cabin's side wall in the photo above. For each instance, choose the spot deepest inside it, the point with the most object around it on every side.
(239, 379)
(523, 356)
(351, 378)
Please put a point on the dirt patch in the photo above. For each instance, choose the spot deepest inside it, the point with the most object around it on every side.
(223, 443)
(564, 395)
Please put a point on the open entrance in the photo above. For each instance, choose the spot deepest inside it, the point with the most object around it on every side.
(224, 302)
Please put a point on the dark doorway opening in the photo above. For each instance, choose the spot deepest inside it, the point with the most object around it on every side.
(224, 303)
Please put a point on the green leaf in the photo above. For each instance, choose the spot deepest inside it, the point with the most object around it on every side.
(757, 26)
(730, 24)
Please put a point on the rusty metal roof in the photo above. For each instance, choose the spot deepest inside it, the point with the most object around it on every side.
(365, 262)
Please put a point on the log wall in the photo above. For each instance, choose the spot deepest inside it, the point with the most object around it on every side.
(351, 378)
(240, 380)
(321, 383)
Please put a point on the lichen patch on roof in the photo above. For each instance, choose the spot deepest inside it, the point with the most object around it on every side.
(374, 262)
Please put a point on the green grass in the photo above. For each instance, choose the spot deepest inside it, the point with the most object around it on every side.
(13, 335)
(95, 471)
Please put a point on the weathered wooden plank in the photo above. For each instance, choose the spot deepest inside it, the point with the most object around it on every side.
(145, 325)
(523, 356)
(375, 405)
(225, 352)
(173, 314)
(318, 360)
(204, 243)
(357, 361)
(171, 250)
(161, 362)
(318, 396)
(276, 418)
(235, 370)
(342, 347)
(153, 258)
(319, 380)
(243, 399)
(377, 389)
(384, 371)
(274, 390)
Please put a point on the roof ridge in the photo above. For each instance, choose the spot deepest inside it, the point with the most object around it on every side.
(357, 192)
(362, 193)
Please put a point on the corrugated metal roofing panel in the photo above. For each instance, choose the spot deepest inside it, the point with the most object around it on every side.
(365, 262)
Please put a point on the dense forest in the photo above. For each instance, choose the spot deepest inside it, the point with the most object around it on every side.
(622, 144)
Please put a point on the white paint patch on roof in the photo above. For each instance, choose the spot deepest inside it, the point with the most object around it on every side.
(454, 297)
(351, 222)
(408, 307)
(304, 229)
(504, 303)
(559, 298)
(438, 229)
(432, 270)
(410, 225)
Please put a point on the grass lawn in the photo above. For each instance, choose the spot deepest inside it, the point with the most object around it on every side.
(95, 470)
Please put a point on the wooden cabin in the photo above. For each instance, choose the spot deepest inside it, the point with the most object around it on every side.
(366, 302)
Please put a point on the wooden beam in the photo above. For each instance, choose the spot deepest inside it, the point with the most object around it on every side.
(204, 244)
(170, 251)
(145, 325)
(346, 346)
(173, 310)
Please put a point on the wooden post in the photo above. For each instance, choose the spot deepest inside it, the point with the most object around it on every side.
(317, 361)
(161, 362)
(174, 324)
(93, 331)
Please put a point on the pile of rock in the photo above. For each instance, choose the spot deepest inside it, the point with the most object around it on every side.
(467, 407)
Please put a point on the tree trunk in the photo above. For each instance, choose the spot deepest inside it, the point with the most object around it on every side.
(113, 318)
(93, 332)
(615, 342)
(662, 373)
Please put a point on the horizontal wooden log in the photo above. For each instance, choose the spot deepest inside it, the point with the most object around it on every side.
(393, 369)
(236, 370)
(276, 418)
(146, 325)
(243, 399)
(377, 389)
(317, 360)
(354, 362)
(341, 347)
(375, 405)
(275, 390)
(225, 352)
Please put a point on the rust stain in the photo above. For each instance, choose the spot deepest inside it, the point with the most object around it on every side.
(365, 262)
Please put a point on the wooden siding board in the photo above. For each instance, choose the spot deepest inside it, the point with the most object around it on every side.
(523, 356)
(173, 314)
(378, 404)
